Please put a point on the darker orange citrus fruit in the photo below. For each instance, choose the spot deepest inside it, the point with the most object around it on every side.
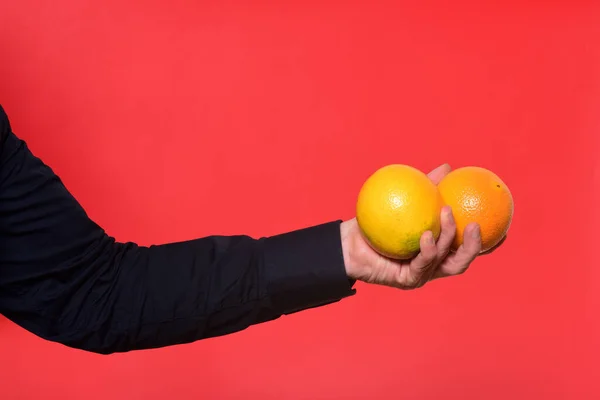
(478, 195)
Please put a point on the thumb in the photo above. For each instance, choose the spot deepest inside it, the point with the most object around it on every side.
(439, 173)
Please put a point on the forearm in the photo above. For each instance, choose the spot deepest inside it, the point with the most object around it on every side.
(64, 279)
(220, 285)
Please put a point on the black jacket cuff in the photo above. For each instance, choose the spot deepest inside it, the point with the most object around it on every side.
(305, 268)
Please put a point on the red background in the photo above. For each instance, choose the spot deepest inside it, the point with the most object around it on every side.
(175, 120)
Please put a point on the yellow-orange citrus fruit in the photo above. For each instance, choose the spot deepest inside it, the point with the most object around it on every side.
(478, 195)
(395, 206)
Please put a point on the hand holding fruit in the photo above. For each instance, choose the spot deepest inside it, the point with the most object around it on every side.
(411, 228)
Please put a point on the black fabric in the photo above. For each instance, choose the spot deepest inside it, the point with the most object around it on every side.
(65, 279)
(4, 126)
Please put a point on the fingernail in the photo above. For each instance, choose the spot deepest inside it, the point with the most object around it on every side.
(448, 212)
(476, 232)
(429, 238)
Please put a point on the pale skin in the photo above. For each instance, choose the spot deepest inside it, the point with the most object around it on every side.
(435, 259)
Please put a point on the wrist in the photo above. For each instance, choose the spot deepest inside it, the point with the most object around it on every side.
(346, 228)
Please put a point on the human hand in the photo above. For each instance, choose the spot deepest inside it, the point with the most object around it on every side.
(435, 260)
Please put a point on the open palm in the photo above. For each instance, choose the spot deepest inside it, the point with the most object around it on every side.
(435, 260)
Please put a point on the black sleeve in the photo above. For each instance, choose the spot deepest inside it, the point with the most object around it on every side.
(64, 279)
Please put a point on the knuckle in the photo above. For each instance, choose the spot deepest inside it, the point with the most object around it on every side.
(404, 285)
(463, 268)
(451, 225)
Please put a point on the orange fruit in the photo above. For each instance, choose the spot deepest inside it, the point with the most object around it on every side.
(395, 206)
(476, 194)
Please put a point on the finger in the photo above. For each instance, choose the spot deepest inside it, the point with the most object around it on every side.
(460, 261)
(421, 266)
(448, 232)
(440, 172)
